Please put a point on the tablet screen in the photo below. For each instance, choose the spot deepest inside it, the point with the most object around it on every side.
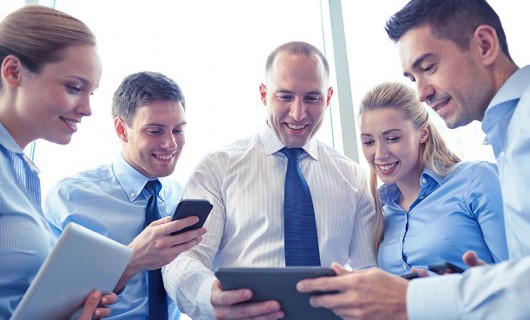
(278, 284)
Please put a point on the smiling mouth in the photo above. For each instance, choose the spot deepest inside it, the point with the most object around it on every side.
(166, 157)
(72, 123)
(440, 105)
(296, 126)
(387, 167)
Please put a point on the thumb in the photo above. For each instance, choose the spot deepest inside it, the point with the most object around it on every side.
(161, 221)
(339, 270)
(471, 259)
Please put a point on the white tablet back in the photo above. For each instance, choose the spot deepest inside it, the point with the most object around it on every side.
(81, 261)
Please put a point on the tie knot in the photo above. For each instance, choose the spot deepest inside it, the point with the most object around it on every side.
(292, 153)
(153, 186)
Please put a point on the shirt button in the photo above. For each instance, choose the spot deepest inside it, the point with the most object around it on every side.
(501, 154)
(421, 198)
(423, 180)
(133, 195)
(404, 266)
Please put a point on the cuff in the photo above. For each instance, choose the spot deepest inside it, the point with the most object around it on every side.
(434, 298)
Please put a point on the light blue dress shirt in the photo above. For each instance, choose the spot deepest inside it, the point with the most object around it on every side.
(110, 200)
(453, 214)
(499, 291)
(25, 238)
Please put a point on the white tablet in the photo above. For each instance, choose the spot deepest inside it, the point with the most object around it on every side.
(81, 261)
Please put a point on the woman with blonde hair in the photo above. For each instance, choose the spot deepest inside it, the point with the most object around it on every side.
(49, 69)
(431, 207)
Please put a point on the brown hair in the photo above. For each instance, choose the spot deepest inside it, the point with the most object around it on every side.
(38, 35)
(434, 153)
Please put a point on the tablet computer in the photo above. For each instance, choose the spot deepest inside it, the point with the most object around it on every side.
(279, 284)
(81, 261)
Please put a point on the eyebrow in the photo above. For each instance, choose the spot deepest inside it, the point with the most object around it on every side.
(418, 61)
(384, 133)
(154, 124)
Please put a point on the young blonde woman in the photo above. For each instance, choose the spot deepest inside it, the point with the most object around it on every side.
(432, 207)
(49, 69)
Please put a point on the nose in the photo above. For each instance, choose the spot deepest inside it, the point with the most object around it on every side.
(381, 151)
(425, 90)
(84, 108)
(297, 110)
(171, 141)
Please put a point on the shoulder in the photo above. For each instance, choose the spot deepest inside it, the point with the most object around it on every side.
(343, 162)
(233, 150)
(97, 175)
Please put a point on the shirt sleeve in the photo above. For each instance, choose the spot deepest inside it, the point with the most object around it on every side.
(484, 199)
(490, 292)
(362, 252)
(188, 279)
(57, 206)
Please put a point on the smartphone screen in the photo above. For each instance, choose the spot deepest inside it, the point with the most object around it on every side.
(445, 268)
(192, 207)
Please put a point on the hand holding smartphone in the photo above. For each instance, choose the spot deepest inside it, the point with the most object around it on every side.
(445, 268)
(192, 207)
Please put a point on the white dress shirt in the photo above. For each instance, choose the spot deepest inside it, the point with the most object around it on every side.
(499, 291)
(245, 183)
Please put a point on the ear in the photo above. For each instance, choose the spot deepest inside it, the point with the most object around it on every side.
(485, 39)
(263, 93)
(121, 131)
(11, 71)
(330, 94)
(424, 134)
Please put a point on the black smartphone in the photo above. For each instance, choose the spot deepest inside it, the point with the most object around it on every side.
(192, 207)
(410, 276)
(445, 268)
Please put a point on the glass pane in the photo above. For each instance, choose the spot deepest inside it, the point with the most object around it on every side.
(215, 50)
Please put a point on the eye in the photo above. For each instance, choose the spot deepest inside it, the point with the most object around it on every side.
(285, 97)
(73, 89)
(312, 99)
(429, 68)
(154, 132)
(392, 139)
(178, 131)
(367, 142)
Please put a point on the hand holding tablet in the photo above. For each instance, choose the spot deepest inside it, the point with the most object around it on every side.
(278, 284)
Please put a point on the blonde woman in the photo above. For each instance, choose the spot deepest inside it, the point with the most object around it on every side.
(432, 206)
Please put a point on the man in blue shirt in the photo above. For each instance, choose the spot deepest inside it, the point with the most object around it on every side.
(456, 53)
(149, 119)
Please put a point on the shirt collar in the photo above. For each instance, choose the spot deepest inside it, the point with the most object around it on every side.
(11, 145)
(511, 90)
(272, 144)
(8, 142)
(389, 193)
(131, 180)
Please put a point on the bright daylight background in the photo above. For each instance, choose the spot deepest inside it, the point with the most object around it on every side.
(216, 50)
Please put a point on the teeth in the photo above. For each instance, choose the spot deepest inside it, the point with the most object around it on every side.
(387, 166)
(71, 123)
(295, 126)
(164, 157)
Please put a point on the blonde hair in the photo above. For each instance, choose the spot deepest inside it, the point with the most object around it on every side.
(38, 35)
(434, 153)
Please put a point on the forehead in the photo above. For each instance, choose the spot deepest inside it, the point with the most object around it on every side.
(79, 61)
(417, 43)
(383, 119)
(289, 68)
(160, 112)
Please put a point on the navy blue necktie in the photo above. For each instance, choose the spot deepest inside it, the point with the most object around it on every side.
(157, 293)
(300, 231)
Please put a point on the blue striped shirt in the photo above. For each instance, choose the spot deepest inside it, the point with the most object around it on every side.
(111, 200)
(500, 291)
(25, 238)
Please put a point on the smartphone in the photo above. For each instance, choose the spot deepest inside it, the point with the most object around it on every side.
(192, 207)
(410, 276)
(445, 268)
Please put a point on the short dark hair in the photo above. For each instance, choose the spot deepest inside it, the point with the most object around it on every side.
(142, 88)
(298, 48)
(453, 20)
